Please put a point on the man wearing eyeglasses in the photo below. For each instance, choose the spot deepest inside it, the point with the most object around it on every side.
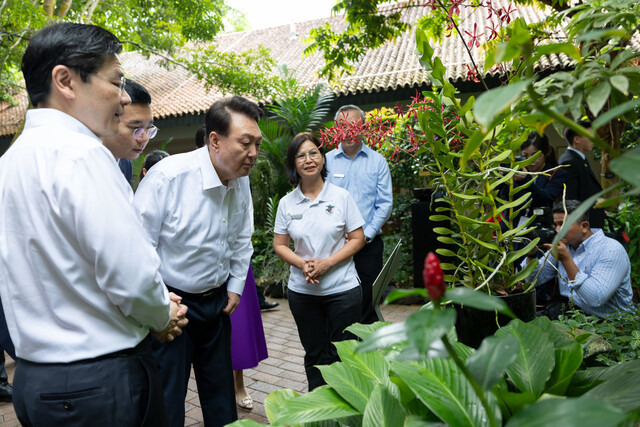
(79, 297)
(135, 130)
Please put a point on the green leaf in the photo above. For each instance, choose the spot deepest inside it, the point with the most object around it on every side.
(426, 326)
(479, 300)
(524, 273)
(621, 83)
(349, 383)
(568, 49)
(536, 357)
(621, 391)
(363, 331)
(493, 102)
(445, 391)
(383, 409)
(437, 218)
(598, 96)
(583, 412)
(626, 166)
(491, 246)
(615, 112)
(489, 363)
(384, 337)
(470, 147)
(274, 402)
(568, 360)
(396, 294)
(442, 230)
(321, 404)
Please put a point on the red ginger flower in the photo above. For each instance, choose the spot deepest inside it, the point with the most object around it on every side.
(433, 277)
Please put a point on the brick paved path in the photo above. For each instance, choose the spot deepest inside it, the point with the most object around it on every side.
(283, 369)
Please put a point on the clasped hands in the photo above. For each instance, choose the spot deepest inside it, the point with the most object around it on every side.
(177, 320)
(313, 268)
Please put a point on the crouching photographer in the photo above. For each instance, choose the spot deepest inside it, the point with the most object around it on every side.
(592, 270)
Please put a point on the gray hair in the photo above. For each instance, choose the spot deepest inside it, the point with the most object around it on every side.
(349, 107)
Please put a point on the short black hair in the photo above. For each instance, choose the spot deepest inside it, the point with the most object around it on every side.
(541, 142)
(348, 107)
(152, 158)
(292, 150)
(570, 205)
(83, 48)
(201, 136)
(137, 92)
(218, 117)
(569, 134)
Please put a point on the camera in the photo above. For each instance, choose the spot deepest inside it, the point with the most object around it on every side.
(545, 229)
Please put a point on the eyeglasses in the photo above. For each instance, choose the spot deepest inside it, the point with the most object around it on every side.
(151, 132)
(121, 85)
(313, 155)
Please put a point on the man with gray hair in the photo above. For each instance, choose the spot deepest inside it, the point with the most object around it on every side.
(365, 174)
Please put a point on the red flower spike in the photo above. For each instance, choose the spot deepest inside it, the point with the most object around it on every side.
(433, 277)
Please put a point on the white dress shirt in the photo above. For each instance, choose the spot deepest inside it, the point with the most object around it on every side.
(77, 278)
(318, 229)
(201, 228)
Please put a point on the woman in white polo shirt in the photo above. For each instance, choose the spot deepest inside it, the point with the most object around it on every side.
(326, 227)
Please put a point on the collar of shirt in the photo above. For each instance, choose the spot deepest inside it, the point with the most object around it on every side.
(42, 117)
(588, 244)
(210, 178)
(579, 153)
(300, 198)
(364, 151)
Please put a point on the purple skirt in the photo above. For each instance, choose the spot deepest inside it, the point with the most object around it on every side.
(248, 346)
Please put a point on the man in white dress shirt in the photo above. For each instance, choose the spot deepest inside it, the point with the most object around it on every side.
(80, 285)
(195, 209)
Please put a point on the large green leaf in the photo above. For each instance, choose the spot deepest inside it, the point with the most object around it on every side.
(425, 326)
(582, 412)
(568, 360)
(383, 410)
(371, 364)
(321, 404)
(351, 384)
(623, 391)
(479, 300)
(493, 102)
(445, 391)
(557, 335)
(489, 363)
(626, 166)
(384, 337)
(275, 401)
(536, 356)
(402, 293)
(615, 113)
(598, 96)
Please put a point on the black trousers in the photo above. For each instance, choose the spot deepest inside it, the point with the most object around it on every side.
(206, 343)
(123, 389)
(321, 320)
(368, 265)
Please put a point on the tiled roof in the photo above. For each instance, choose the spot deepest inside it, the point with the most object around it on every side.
(175, 93)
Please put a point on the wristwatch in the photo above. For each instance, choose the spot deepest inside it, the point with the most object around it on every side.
(367, 240)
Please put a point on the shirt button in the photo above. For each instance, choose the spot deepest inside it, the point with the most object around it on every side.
(222, 243)
(66, 405)
(224, 219)
(220, 265)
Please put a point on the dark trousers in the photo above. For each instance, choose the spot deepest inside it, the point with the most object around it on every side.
(117, 390)
(206, 343)
(368, 265)
(321, 320)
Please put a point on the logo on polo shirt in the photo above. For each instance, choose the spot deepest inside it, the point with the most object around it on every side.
(330, 209)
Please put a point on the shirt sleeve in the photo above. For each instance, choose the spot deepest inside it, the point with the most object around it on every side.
(280, 225)
(353, 218)
(383, 202)
(94, 203)
(595, 288)
(241, 246)
(151, 200)
(546, 267)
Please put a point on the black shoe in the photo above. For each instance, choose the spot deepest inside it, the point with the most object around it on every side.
(268, 305)
(6, 392)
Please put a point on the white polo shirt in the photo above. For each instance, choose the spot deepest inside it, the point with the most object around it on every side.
(318, 229)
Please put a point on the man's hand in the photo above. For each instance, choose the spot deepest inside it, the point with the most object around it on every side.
(233, 300)
(177, 320)
(564, 256)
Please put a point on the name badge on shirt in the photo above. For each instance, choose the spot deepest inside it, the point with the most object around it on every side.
(296, 216)
(338, 175)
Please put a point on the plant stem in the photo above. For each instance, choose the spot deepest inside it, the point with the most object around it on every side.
(474, 384)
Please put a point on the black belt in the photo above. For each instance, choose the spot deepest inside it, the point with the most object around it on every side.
(204, 296)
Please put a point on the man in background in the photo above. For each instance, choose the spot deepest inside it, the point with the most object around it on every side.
(365, 174)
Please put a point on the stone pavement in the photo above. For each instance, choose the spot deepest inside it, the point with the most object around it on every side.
(283, 369)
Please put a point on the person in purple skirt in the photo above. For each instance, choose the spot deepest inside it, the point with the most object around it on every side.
(248, 345)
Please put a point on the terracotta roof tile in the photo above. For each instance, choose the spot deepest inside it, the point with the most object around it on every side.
(175, 93)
